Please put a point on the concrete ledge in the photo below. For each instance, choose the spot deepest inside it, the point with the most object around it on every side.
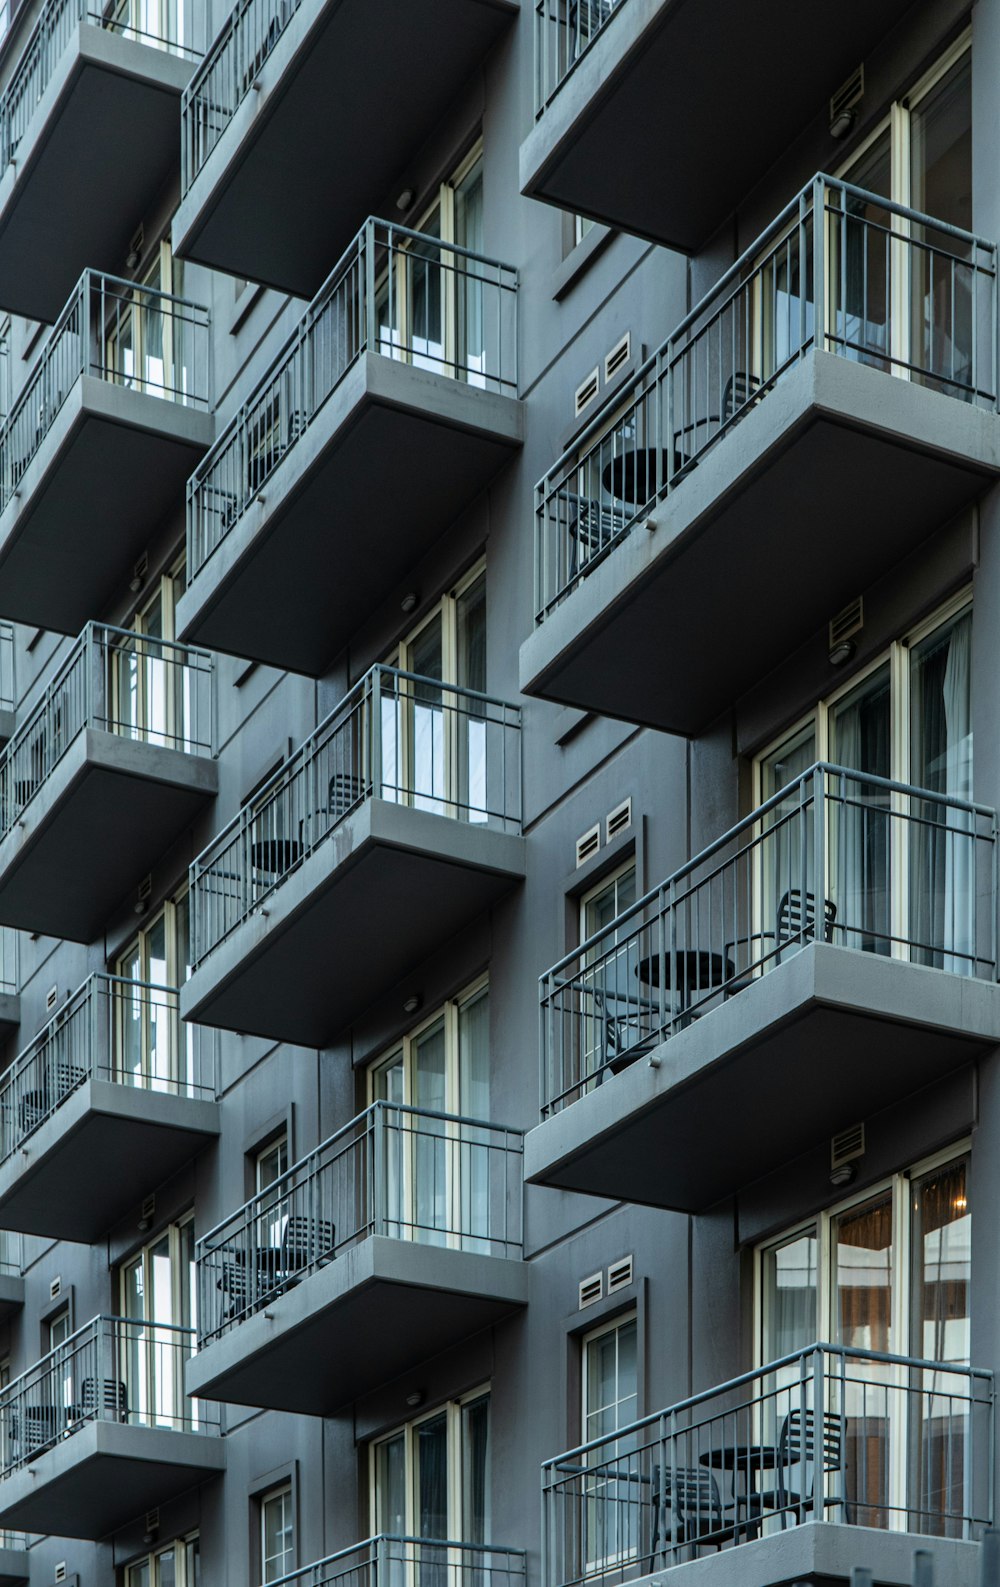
(825, 1039)
(827, 1551)
(338, 1333)
(874, 465)
(341, 928)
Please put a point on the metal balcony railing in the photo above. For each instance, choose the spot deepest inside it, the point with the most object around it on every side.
(8, 688)
(825, 1434)
(398, 293)
(183, 35)
(401, 1172)
(564, 31)
(11, 1253)
(411, 740)
(386, 1561)
(113, 1369)
(226, 76)
(896, 291)
(118, 331)
(126, 1032)
(838, 856)
(149, 690)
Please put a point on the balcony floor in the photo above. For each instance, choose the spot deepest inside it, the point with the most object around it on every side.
(105, 1474)
(392, 458)
(346, 925)
(112, 466)
(829, 1037)
(656, 78)
(106, 813)
(119, 1141)
(59, 214)
(297, 134)
(838, 473)
(376, 1310)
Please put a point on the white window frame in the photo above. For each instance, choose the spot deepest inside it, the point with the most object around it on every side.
(283, 1492)
(453, 1411)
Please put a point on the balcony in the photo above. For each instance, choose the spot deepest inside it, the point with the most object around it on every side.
(112, 1097)
(10, 1001)
(97, 447)
(717, 1015)
(276, 114)
(15, 1561)
(394, 402)
(11, 1295)
(667, 520)
(414, 1559)
(389, 830)
(905, 1459)
(104, 773)
(86, 78)
(650, 75)
(8, 690)
(99, 1431)
(404, 1213)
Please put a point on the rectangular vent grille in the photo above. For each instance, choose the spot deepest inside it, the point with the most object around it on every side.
(149, 1207)
(55, 1288)
(847, 1146)
(51, 999)
(619, 819)
(847, 622)
(145, 889)
(618, 357)
(588, 845)
(152, 1520)
(586, 391)
(60, 1572)
(848, 94)
(591, 1289)
(620, 1274)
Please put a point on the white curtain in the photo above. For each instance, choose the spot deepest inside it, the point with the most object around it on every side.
(959, 868)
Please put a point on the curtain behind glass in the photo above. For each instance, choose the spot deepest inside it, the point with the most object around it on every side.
(858, 821)
(941, 1269)
(475, 1191)
(942, 840)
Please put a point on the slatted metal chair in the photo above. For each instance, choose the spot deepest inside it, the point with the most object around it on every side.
(797, 1467)
(305, 1242)
(104, 1399)
(690, 1495)
(796, 919)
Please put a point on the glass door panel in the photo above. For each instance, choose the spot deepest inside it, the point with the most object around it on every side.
(428, 770)
(785, 865)
(471, 728)
(389, 1085)
(472, 1166)
(863, 1279)
(431, 1190)
(859, 823)
(860, 260)
(942, 848)
(942, 282)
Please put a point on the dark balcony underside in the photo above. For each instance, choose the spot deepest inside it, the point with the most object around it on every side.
(104, 1475)
(821, 1042)
(98, 823)
(381, 1308)
(381, 893)
(678, 110)
(349, 93)
(825, 486)
(98, 149)
(120, 1142)
(391, 460)
(113, 465)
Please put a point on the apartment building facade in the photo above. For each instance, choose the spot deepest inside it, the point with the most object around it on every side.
(499, 996)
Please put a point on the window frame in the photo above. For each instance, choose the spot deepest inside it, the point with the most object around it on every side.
(453, 1410)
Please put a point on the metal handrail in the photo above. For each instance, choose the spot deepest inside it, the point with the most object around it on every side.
(42, 50)
(354, 755)
(702, 380)
(384, 262)
(386, 1547)
(226, 76)
(704, 932)
(565, 32)
(94, 688)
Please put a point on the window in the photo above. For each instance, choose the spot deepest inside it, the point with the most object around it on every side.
(177, 1565)
(887, 1272)
(155, 22)
(158, 1299)
(900, 869)
(434, 741)
(431, 1479)
(152, 1048)
(144, 338)
(277, 1533)
(151, 686)
(437, 1179)
(609, 992)
(610, 1400)
(269, 1165)
(432, 304)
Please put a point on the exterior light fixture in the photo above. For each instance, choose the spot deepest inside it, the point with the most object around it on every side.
(844, 1175)
(841, 654)
(415, 1399)
(842, 123)
(405, 199)
(411, 1005)
(409, 602)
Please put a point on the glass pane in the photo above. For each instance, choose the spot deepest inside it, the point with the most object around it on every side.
(942, 838)
(390, 1487)
(859, 822)
(787, 907)
(432, 1477)
(430, 1147)
(473, 792)
(941, 1245)
(611, 999)
(789, 1283)
(478, 329)
(860, 258)
(476, 1471)
(941, 274)
(863, 1292)
(474, 1103)
(278, 1544)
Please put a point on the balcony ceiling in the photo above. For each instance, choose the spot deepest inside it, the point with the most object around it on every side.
(680, 107)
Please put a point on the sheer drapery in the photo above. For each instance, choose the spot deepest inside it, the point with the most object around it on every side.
(942, 842)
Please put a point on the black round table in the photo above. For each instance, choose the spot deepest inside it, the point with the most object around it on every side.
(688, 970)
(744, 1461)
(275, 855)
(631, 476)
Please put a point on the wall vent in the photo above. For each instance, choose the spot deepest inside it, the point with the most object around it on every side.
(847, 1146)
(847, 622)
(60, 1571)
(591, 1289)
(848, 94)
(586, 391)
(149, 1208)
(620, 1274)
(618, 357)
(145, 889)
(55, 1288)
(152, 1520)
(619, 819)
(51, 999)
(587, 845)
